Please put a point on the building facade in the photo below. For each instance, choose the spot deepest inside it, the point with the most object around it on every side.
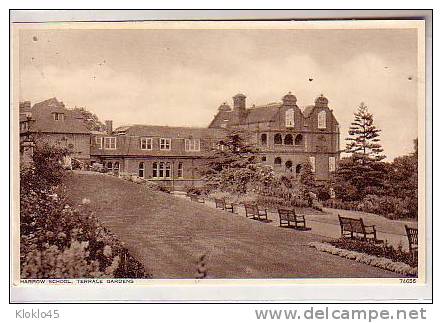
(170, 155)
(51, 122)
(287, 135)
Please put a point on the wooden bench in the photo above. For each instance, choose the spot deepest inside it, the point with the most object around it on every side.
(223, 205)
(287, 216)
(412, 234)
(196, 198)
(253, 211)
(355, 228)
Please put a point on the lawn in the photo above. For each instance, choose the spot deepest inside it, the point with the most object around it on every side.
(382, 223)
(168, 234)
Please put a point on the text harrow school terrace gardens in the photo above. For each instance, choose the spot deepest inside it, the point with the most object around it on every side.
(284, 134)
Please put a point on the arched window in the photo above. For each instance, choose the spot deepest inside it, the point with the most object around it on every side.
(298, 140)
(278, 161)
(141, 170)
(180, 170)
(288, 165)
(322, 120)
(277, 139)
(155, 170)
(298, 168)
(264, 139)
(288, 139)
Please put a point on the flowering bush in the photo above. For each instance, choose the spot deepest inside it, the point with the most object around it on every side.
(380, 262)
(58, 241)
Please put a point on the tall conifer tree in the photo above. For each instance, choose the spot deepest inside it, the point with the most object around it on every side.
(363, 141)
(363, 172)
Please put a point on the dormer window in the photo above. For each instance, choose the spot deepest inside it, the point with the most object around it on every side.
(192, 145)
(146, 143)
(290, 118)
(110, 143)
(58, 116)
(322, 120)
(165, 143)
(99, 142)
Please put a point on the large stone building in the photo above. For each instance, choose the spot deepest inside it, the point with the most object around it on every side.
(285, 136)
(51, 122)
(170, 155)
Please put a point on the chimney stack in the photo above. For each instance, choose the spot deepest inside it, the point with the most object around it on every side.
(239, 102)
(109, 127)
(239, 109)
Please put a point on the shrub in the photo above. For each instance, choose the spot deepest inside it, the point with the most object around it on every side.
(97, 167)
(372, 260)
(196, 190)
(58, 241)
(382, 250)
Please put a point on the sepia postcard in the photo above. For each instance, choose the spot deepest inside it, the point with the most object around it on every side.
(206, 155)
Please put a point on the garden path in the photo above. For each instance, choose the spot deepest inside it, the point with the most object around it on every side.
(327, 224)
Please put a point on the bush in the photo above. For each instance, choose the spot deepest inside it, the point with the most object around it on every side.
(363, 257)
(387, 206)
(383, 250)
(158, 186)
(97, 167)
(196, 190)
(58, 241)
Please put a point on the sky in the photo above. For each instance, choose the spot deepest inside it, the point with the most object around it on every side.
(180, 77)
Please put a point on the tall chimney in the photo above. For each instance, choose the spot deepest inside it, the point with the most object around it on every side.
(239, 102)
(108, 127)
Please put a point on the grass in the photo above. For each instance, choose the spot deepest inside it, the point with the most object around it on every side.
(169, 234)
(382, 223)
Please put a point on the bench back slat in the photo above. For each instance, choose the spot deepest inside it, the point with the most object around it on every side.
(287, 214)
(219, 203)
(352, 224)
(251, 208)
(412, 234)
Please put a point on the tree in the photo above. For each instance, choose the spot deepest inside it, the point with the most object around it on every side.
(363, 172)
(90, 119)
(232, 164)
(363, 141)
(402, 180)
(307, 182)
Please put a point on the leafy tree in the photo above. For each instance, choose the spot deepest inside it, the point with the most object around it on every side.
(232, 164)
(402, 180)
(307, 182)
(90, 119)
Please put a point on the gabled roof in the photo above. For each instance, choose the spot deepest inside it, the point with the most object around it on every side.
(220, 117)
(308, 110)
(171, 132)
(42, 119)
